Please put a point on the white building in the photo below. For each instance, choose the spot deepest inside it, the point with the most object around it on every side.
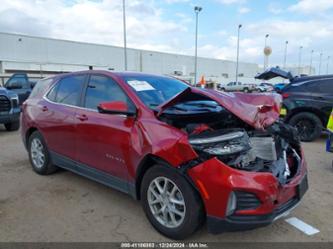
(37, 55)
(44, 56)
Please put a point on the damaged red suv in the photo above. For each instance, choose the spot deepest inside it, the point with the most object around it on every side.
(190, 155)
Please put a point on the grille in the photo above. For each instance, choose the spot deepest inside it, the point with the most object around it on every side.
(246, 201)
(4, 104)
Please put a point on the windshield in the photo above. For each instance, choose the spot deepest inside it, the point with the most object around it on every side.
(155, 90)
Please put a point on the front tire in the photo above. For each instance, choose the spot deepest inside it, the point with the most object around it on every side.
(308, 125)
(246, 90)
(12, 126)
(170, 203)
(39, 155)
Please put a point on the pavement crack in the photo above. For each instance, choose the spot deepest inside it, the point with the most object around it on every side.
(117, 227)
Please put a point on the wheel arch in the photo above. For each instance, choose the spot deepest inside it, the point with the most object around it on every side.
(28, 134)
(314, 111)
(146, 163)
(149, 161)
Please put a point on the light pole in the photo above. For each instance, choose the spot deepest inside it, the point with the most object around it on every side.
(321, 56)
(311, 62)
(328, 62)
(265, 56)
(237, 60)
(285, 56)
(197, 9)
(125, 40)
(300, 59)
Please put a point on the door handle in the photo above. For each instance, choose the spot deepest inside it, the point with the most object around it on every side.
(82, 117)
(45, 109)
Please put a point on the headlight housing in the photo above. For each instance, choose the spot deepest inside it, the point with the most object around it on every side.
(219, 143)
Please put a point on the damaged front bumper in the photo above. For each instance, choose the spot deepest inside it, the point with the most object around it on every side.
(260, 197)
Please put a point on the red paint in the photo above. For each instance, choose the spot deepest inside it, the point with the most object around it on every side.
(118, 144)
(118, 106)
(248, 107)
(219, 180)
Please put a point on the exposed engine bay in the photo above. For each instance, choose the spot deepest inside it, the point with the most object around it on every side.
(213, 131)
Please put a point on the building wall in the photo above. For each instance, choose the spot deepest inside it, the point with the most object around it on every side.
(36, 54)
(43, 56)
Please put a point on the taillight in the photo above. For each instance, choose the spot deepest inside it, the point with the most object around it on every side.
(285, 95)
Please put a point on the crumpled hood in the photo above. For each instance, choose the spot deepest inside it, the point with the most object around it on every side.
(258, 110)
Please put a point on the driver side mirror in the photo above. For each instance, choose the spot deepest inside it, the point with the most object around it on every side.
(115, 107)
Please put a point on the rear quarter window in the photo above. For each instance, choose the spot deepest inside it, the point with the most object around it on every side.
(40, 87)
(67, 90)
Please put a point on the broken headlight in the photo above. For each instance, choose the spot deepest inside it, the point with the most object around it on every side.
(219, 143)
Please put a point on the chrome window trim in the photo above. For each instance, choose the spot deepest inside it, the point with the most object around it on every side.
(72, 106)
(80, 107)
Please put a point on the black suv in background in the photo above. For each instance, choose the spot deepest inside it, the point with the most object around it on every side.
(21, 85)
(307, 101)
(9, 109)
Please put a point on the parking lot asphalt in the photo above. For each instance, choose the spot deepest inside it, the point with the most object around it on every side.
(67, 207)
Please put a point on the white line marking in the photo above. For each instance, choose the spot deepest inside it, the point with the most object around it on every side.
(300, 225)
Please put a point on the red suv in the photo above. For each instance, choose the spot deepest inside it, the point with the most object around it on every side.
(190, 155)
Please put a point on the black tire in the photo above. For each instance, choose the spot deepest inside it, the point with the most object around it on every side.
(308, 125)
(13, 126)
(194, 211)
(223, 89)
(246, 90)
(46, 167)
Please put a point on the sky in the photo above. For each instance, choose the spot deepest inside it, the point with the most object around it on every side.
(169, 26)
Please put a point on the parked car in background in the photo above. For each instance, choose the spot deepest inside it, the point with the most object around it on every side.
(236, 87)
(307, 103)
(190, 155)
(264, 87)
(279, 86)
(21, 85)
(9, 109)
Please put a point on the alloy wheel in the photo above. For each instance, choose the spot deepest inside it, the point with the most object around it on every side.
(305, 128)
(166, 202)
(37, 153)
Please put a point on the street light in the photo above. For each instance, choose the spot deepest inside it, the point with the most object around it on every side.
(265, 56)
(237, 60)
(125, 40)
(311, 62)
(300, 59)
(328, 61)
(197, 9)
(285, 55)
(321, 56)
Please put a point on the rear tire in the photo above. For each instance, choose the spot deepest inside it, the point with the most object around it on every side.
(177, 195)
(39, 155)
(13, 126)
(246, 90)
(308, 125)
